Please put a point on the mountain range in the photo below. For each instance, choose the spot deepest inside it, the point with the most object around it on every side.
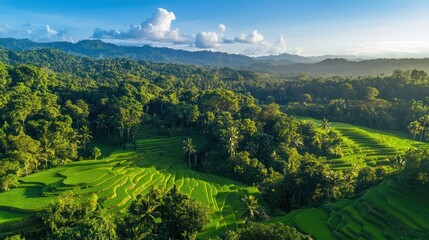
(328, 65)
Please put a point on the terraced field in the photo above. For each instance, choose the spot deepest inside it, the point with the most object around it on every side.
(392, 210)
(155, 161)
(389, 211)
(368, 147)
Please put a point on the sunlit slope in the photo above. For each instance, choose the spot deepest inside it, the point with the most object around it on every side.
(392, 210)
(368, 147)
(156, 160)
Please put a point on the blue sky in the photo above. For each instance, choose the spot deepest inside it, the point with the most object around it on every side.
(375, 28)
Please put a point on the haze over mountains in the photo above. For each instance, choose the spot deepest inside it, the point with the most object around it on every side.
(281, 64)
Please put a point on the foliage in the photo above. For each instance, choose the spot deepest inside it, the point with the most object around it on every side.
(68, 218)
(416, 168)
(180, 216)
(258, 231)
(96, 152)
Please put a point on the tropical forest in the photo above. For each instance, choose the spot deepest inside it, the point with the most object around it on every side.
(151, 132)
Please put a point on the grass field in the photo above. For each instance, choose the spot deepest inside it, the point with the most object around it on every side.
(156, 160)
(392, 210)
(368, 147)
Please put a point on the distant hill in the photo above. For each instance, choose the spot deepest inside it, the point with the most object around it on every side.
(286, 57)
(98, 49)
(343, 67)
(328, 65)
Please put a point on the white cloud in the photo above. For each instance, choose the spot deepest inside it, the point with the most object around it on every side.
(279, 45)
(251, 38)
(211, 39)
(38, 34)
(156, 28)
(222, 28)
(207, 40)
(50, 31)
(267, 48)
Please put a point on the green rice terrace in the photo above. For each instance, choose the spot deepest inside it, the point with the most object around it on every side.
(392, 210)
(388, 211)
(368, 147)
(119, 178)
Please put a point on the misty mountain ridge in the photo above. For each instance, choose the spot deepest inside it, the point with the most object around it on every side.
(98, 49)
(290, 64)
(276, 59)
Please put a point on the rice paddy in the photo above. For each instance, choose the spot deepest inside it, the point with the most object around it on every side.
(363, 146)
(155, 160)
(392, 210)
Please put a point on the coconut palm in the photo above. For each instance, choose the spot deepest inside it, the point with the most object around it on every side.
(146, 209)
(297, 141)
(188, 148)
(232, 141)
(231, 145)
(251, 208)
(85, 135)
(415, 128)
(325, 125)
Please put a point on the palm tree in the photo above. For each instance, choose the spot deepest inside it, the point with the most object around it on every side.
(425, 120)
(232, 141)
(188, 148)
(325, 124)
(85, 135)
(297, 141)
(251, 208)
(415, 128)
(231, 145)
(146, 209)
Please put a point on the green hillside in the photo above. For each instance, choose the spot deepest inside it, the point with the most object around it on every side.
(392, 210)
(368, 147)
(119, 178)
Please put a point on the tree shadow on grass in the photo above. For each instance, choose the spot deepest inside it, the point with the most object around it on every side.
(33, 192)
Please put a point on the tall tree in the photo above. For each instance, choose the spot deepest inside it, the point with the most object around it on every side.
(189, 148)
(128, 116)
(251, 208)
(85, 136)
(325, 124)
(232, 140)
(415, 128)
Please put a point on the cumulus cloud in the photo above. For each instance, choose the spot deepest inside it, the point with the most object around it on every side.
(222, 28)
(156, 28)
(38, 34)
(210, 39)
(267, 48)
(207, 40)
(251, 38)
(159, 29)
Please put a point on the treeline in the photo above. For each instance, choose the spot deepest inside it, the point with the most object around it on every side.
(36, 131)
(382, 102)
